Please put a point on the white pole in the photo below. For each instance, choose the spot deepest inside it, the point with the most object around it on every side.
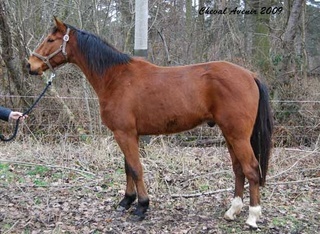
(141, 28)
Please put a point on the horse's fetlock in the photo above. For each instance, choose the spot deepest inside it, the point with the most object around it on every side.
(127, 200)
(144, 204)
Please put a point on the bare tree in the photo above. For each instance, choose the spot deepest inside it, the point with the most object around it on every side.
(9, 56)
(261, 36)
(290, 33)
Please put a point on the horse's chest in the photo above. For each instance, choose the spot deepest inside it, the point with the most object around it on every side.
(112, 114)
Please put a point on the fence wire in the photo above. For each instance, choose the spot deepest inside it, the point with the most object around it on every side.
(298, 127)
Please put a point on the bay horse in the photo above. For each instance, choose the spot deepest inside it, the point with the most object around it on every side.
(139, 98)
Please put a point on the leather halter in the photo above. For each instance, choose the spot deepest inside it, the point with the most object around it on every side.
(62, 49)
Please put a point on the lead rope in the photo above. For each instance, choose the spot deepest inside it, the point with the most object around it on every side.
(2, 138)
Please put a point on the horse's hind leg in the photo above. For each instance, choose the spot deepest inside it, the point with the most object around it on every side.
(129, 146)
(250, 167)
(236, 204)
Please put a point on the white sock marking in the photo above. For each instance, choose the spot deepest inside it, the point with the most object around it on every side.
(236, 206)
(254, 216)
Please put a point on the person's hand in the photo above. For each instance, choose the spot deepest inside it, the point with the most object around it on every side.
(16, 115)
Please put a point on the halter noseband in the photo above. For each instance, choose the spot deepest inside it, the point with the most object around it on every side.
(46, 59)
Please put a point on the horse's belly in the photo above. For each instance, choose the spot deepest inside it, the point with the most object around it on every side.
(169, 125)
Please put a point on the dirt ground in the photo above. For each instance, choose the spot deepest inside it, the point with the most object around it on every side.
(74, 188)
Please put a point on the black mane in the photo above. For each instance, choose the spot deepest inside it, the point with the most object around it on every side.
(99, 54)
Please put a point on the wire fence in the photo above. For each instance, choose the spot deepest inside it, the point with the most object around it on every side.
(79, 119)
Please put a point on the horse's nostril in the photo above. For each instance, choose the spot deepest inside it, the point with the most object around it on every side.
(28, 66)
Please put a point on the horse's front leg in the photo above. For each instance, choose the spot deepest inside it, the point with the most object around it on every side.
(129, 144)
(130, 194)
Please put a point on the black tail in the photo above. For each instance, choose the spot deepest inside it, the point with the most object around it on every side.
(261, 141)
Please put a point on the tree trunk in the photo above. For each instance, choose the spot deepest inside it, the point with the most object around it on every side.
(286, 86)
(189, 17)
(304, 53)
(11, 61)
(201, 35)
(261, 40)
(127, 24)
(287, 69)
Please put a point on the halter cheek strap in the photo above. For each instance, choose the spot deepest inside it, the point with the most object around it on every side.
(62, 49)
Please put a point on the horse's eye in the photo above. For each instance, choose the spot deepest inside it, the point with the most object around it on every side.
(50, 40)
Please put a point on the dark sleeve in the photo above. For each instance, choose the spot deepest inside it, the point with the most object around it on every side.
(4, 113)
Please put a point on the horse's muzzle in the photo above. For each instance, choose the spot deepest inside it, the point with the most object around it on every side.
(31, 72)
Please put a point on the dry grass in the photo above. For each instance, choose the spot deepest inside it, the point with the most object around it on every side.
(73, 188)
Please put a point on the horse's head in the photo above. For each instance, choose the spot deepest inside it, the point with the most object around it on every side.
(53, 50)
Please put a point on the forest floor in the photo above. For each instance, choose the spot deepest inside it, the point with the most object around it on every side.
(74, 188)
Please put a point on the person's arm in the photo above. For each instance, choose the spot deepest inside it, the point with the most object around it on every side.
(5, 113)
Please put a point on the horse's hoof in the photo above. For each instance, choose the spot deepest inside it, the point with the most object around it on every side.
(139, 213)
(137, 217)
(252, 224)
(254, 216)
(236, 206)
(229, 217)
(127, 201)
(121, 208)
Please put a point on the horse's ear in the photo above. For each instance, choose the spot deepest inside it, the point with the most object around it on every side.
(59, 24)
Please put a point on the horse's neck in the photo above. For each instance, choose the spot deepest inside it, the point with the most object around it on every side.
(91, 76)
(99, 82)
